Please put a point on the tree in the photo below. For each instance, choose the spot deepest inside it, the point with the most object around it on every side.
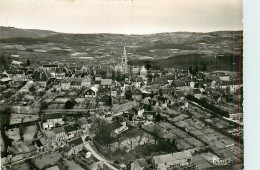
(190, 69)
(69, 104)
(148, 66)
(158, 117)
(204, 67)
(103, 133)
(196, 70)
(44, 105)
(32, 88)
(118, 76)
(28, 62)
(156, 133)
(128, 95)
(4, 61)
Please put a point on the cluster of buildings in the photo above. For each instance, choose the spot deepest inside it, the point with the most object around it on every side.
(132, 94)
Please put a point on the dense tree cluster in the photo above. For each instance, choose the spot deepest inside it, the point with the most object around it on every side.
(70, 104)
(209, 106)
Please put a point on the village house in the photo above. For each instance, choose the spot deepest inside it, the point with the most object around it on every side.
(154, 102)
(73, 147)
(60, 135)
(72, 131)
(42, 78)
(52, 120)
(114, 92)
(197, 93)
(138, 110)
(149, 115)
(92, 92)
(49, 66)
(232, 85)
(181, 85)
(170, 78)
(138, 82)
(137, 94)
(143, 72)
(65, 84)
(166, 92)
(83, 123)
(106, 83)
(86, 82)
(160, 81)
(116, 127)
(76, 84)
(88, 161)
(136, 70)
(172, 160)
(39, 146)
(163, 101)
(59, 73)
(139, 164)
(184, 104)
(52, 71)
(56, 84)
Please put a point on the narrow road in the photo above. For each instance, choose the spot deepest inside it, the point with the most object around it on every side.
(98, 156)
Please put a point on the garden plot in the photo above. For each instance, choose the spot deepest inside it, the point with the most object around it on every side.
(22, 118)
(179, 118)
(166, 125)
(46, 160)
(23, 166)
(194, 142)
(29, 132)
(13, 134)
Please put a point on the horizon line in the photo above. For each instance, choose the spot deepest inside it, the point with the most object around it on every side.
(239, 30)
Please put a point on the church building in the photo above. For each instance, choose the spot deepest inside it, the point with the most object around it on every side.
(122, 67)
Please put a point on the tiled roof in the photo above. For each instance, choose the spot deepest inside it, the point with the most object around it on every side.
(71, 128)
(142, 162)
(82, 121)
(106, 82)
(114, 125)
(75, 142)
(196, 91)
(58, 130)
(75, 83)
(38, 143)
(172, 157)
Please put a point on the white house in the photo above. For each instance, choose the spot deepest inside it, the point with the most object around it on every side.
(172, 160)
(92, 92)
(51, 120)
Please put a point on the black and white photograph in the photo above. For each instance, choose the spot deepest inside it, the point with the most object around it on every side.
(121, 85)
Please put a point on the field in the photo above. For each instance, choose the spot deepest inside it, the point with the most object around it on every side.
(46, 160)
(179, 49)
(22, 118)
(73, 166)
(29, 132)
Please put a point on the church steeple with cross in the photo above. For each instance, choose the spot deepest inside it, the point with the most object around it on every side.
(124, 62)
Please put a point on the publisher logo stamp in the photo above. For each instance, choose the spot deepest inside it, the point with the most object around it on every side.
(221, 161)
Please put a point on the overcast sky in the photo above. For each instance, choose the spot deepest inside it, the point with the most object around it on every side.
(122, 16)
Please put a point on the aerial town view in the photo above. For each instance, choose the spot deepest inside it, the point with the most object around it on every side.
(102, 104)
(163, 101)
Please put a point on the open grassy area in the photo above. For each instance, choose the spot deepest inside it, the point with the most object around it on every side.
(143, 151)
(46, 160)
(73, 166)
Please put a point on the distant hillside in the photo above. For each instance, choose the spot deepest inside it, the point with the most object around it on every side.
(11, 32)
(179, 49)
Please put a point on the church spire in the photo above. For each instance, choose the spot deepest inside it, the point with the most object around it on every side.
(124, 54)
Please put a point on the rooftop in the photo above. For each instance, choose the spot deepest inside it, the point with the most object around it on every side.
(172, 157)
